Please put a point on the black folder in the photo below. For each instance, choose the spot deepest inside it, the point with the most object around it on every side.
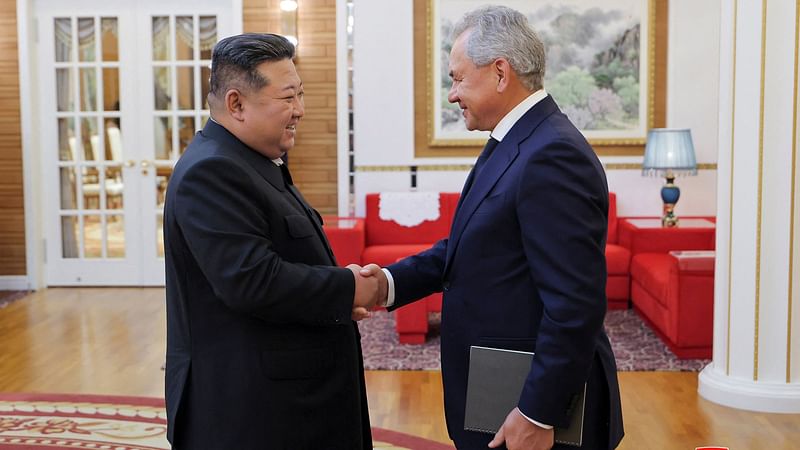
(496, 379)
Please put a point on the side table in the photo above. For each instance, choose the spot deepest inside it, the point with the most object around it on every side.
(648, 236)
(346, 236)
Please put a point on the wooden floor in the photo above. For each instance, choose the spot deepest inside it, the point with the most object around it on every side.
(111, 341)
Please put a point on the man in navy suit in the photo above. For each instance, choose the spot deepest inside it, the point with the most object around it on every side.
(261, 349)
(524, 266)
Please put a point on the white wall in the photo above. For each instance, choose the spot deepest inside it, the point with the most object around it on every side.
(383, 103)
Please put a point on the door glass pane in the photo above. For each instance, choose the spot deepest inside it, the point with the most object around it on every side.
(91, 141)
(114, 139)
(186, 131)
(160, 235)
(203, 120)
(92, 236)
(205, 76)
(185, 88)
(88, 78)
(63, 39)
(114, 187)
(115, 230)
(208, 35)
(66, 140)
(184, 38)
(111, 89)
(69, 236)
(161, 39)
(162, 180)
(64, 90)
(163, 137)
(91, 187)
(69, 188)
(110, 38)
(86, 40)
(162, 88)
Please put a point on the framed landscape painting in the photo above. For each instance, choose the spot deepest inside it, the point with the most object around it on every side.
(605, 68)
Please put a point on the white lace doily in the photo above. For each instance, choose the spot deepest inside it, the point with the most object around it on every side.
(408, 209)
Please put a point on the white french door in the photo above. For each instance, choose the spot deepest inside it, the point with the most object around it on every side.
(122, 87)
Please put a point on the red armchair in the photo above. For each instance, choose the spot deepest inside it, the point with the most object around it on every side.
(674, 293)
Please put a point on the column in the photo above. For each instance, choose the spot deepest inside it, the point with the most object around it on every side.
(756, 360)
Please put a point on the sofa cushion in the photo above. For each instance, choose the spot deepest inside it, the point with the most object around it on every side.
(656, 273)
(383, 255)
(618, 259)
(380, 232)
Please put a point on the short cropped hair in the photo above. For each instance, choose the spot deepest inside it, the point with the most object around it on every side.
(235, 59)
(502, 32)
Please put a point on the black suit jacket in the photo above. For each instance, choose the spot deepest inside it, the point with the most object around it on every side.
(261, 350)
(524, 268)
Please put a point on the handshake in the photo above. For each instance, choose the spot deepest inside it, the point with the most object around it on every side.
(372, 289)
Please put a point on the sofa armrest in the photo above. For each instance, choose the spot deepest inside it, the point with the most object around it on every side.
(693, 315)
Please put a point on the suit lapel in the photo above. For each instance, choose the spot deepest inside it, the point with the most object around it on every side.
(498, 163)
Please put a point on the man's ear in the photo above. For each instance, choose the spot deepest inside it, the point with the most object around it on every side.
(234, 105)
(502, 70)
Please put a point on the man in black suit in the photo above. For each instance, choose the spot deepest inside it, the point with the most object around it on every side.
(524, 265)
(261, 348)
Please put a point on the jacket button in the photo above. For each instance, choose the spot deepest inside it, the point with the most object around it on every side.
(446, 285)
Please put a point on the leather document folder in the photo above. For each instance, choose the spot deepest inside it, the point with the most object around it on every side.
(496, 378)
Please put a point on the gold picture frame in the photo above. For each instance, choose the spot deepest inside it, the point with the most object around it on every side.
(427, 144)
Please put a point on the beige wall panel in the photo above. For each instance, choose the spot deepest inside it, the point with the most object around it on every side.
(12, 213)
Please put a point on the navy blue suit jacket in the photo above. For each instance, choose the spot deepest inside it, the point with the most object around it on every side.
(524, 268)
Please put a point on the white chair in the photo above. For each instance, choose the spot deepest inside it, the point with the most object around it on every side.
(114, 186)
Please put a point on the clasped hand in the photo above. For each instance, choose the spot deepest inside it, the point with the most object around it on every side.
(372, 289)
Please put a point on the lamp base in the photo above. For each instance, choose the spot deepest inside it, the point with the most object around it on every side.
(670, 193)
(669, 219)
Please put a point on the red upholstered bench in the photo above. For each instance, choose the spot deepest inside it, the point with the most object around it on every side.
(674, 293)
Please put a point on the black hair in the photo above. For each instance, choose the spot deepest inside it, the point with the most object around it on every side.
(235, 60)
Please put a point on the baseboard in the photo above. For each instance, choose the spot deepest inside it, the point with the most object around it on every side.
(14, 283)
(715, 386)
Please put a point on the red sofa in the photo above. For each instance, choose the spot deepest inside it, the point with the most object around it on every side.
(674, 297)
(618, 260)
(384, 242)
(674, 294)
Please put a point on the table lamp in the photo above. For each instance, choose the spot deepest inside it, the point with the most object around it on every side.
(669, 152)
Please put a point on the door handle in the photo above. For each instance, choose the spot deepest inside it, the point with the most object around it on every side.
(145, 165)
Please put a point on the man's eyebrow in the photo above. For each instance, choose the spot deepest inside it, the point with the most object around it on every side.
(292, 87)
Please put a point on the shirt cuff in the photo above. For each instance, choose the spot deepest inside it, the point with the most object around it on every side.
(390, 293)
(538, 424)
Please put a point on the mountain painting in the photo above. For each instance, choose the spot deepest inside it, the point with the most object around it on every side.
(596, 69)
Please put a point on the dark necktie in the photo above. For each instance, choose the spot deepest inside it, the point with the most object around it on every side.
(485, 154)
(487, 151)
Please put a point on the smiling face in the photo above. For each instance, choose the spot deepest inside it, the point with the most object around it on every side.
(269, 116)
(475, 89)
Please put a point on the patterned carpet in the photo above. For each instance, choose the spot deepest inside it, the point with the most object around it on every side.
(635, 346)
(60, 421)
(7, 297)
